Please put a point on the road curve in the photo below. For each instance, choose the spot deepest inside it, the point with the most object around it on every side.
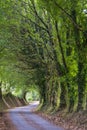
(24, 119)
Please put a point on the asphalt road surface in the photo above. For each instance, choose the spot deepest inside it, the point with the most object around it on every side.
(24, 119)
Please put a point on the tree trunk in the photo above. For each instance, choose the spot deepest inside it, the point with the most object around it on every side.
(63, 99)
(0, 91)
(81, 76)
(65, 88)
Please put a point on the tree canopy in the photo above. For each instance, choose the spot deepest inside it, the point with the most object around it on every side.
(43, 45)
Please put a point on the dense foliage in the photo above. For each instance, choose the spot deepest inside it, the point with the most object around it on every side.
(43, 44)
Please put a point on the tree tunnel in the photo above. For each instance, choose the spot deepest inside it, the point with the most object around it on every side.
(44, 44)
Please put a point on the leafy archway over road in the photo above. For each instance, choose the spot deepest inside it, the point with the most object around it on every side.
(43, 43)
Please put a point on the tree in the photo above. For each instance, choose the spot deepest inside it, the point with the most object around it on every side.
(45, 42)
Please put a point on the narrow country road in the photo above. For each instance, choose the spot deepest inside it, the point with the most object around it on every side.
(24, 119)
